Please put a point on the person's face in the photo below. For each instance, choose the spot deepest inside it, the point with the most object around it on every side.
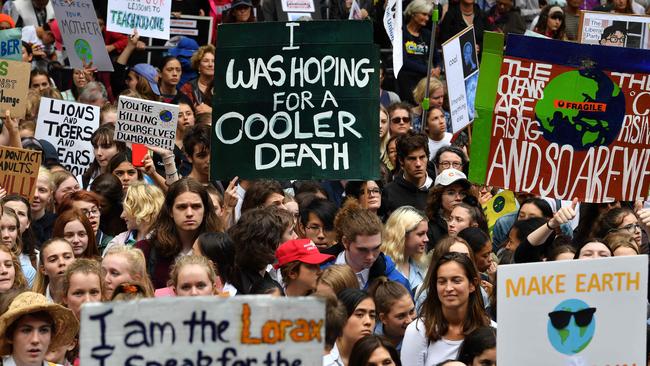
(7, 272)
(554, 21)
(362, 321)
(126, 173)
(363, 251)
(104, 153)
(528, 211)
(416, 240)
(383, 124)
(308, 276)
(67, 187)
(30, 340)
(593, 250)
(401, 314)
(484, 257)
(200, 159)
(380, 356)
(392, 152)
(91, 211)
(130, 220)
(56, 259)
(115, 270)
(8, 230)
(453, 285)
(400, 122)
(566, 256)
(513, 242)
(131, 80)
(452, 197)
(206, 66)
(459, 220)
(108, 117)
(315, 230)
(185, 118)
(421, 19)
(188, 211)
(292, 207)
(21, 211)
(371, 196)
(217, 205)
(84, 287)
(5, 25)
(448, 160)
(79, 78)
(171, 73)
(436, 122)
(487, 358)
(620, 5)
(415, 165)
(289, 233)
(504, 6)
(630, 225)
(26, 56)
(75, 233)
(242, 13)
(193, 280)
(40, 82)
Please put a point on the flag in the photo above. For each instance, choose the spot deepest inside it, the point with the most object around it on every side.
(393, 26)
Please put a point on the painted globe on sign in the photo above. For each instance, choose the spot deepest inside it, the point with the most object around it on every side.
(166, 116)
(581, 129)
(572, 339)
(83, 50)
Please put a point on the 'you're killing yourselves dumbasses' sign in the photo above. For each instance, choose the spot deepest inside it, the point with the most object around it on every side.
(298, 102)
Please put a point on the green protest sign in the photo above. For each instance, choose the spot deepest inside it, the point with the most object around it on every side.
(296, 100)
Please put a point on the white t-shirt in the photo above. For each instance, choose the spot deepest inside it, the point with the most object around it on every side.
(435, 145)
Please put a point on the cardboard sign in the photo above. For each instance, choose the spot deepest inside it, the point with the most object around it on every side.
(565, 126)
(576, 312)
(151, 18)
(611, 29)
(81, 34)
(299, 102)
(14, 85)
(11, 45)
(68, 126)
(19, 170)
(461, 63)
(501, 204)
(145, 122)
(246, 330)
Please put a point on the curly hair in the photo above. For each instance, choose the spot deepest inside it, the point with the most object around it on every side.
(199, 54)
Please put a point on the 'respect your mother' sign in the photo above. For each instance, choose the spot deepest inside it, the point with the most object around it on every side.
(246, 330)
(577, 312)
(567, 126)
(298, 102)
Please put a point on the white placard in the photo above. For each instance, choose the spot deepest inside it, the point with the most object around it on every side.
(68, 126)
(581, 312)
(246, 330)
(611, 29)
(145, 122)
(290, 6)
(151, 18)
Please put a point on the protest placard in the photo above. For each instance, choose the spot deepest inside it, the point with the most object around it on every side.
(501, 204)
(461, 63)
(151, 18)
(81, 34)
(68, 126)
(145, 122)
(299, 102)
(19, 170)
(14, 85)
(246, 330)
(10, 44)
(584, 312)
(565, 121)
(198, 28)
(613, 29)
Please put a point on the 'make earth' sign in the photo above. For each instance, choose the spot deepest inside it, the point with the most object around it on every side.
(298, 101)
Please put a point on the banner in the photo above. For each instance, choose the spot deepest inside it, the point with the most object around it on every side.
(11, 45)
(151, 18)
(242, 330)
(141, 121)
(19, 170)
(611, 29)
(68, 126)
(461, 65)
(14, 85)
(500, 205)
(565, 126)
(580, 312)
(299, 102)
(393, 27)
(81, 34)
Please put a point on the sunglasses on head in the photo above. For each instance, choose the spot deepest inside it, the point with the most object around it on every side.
(560, 319)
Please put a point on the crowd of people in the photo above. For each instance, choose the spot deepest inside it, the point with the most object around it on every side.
(406, 263)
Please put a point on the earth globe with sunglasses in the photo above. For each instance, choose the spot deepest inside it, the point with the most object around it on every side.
(571, 326)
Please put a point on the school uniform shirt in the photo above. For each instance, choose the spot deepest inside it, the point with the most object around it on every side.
(9, 361)
(28, 269)
(416, 275)
(362, 277)
(333, 358)
(435, 145)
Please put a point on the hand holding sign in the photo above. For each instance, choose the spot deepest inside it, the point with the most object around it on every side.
(644, 219)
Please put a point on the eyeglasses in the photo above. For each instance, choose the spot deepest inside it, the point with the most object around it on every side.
(372, 191)
(614, 39)
(560, 319)
(452, 164)
(401, 119)
(93, 212)
(630, 228)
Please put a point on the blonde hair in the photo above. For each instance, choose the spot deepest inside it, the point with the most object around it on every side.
(42, 281)
(137, 265)
(19, 278)
(420, 88)
(383, 143)
(339, 277)
(85, 266)
(17, 249)
(144, 202)
(418, 6)
(188, 260)
(615, 240)
(399, 224)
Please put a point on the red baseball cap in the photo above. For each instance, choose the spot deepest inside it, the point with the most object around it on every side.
(302, 250)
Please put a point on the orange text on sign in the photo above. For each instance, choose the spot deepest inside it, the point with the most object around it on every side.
(274, 331)
(582, 106)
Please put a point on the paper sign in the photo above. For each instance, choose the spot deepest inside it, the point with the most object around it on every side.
(501, 204)
(11, 45)
(19, 170)
(68, 126)
(612, 29)
(393, 26)
(81, 34)
(14, 85)
(246, 330)
(151, 18)
(461, 63)
(145, 122)
(355, 11)
(290, 6)
(297, 103)
(576, 312)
